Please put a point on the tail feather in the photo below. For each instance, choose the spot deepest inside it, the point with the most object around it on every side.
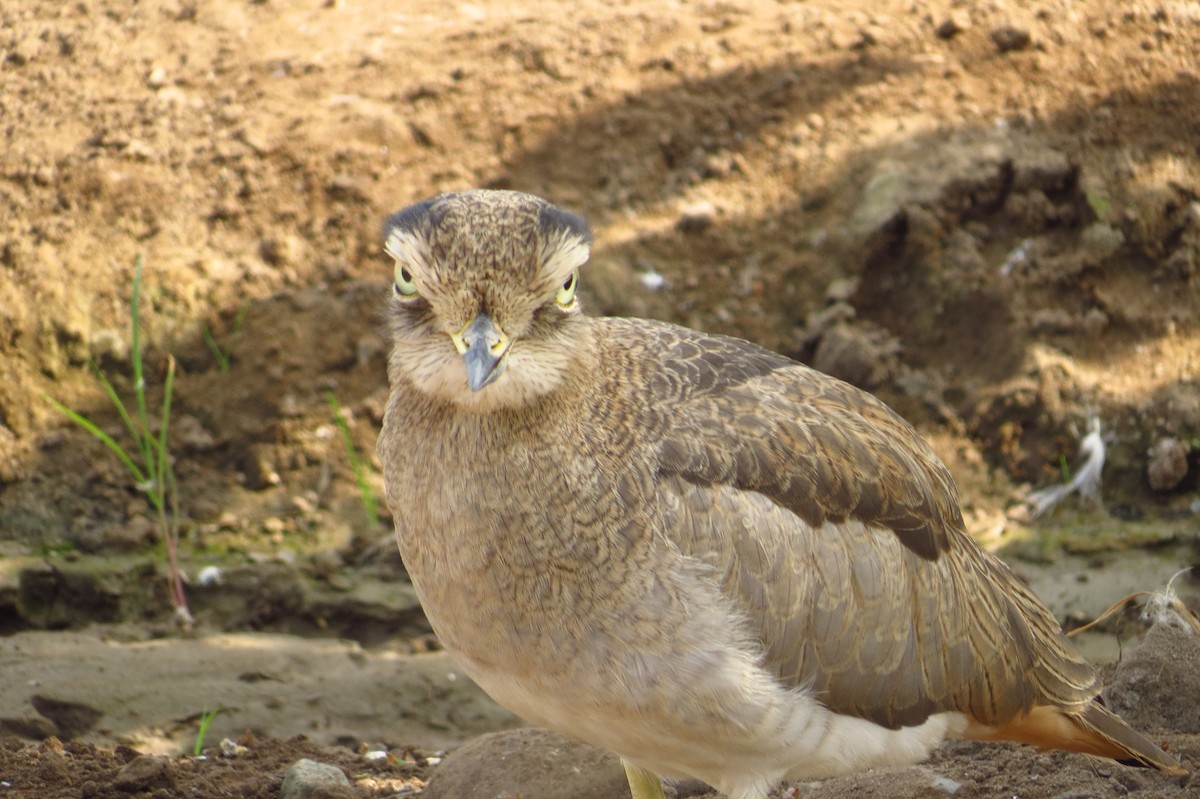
(1095, 731)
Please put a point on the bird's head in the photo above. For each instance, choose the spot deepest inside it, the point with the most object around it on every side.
(483, 304)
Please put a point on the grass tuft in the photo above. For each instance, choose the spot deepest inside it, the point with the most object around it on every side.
(150, 464)
(206, 720)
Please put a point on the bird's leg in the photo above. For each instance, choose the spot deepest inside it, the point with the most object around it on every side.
(642, 784)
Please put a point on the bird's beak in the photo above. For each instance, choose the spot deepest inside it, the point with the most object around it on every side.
(482, 345)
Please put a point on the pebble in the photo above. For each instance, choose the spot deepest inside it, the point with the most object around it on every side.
(231, 748)
(1167, 464)
(696, 218)
(210, 575)
(1100, 240)
(952, 25)
(286, 250)
(347, 188)
(306, 776)
(108, 344)
(24, 51)
(259, 467)
(1008, 38)
(145, 773)
(52, 768)
(529, 763)
(652, 280)
(303, 505)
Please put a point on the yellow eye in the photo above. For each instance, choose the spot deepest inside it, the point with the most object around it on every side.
(405, 286)
(566, 295)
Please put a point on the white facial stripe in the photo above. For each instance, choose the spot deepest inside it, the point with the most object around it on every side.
(405, 246)
(561, 256)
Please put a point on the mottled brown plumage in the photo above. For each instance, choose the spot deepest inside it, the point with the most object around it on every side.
(685, 548)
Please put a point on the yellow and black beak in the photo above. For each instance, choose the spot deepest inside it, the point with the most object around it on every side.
(482, 345)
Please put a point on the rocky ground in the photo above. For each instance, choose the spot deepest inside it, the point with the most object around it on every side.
(986, 213)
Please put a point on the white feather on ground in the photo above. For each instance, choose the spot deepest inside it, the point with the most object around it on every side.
(1086, 480)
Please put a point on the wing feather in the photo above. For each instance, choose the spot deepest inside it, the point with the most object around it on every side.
(836, 531)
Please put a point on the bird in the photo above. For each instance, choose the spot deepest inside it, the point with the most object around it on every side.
(686, 549)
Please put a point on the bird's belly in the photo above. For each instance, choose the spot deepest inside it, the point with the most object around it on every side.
(675, 688)
(795, 736)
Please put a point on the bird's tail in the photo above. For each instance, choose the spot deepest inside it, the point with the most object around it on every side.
(1094, 731)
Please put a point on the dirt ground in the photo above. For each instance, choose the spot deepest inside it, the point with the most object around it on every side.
(986, 213)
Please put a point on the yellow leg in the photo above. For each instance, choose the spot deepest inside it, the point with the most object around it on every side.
(642, 784)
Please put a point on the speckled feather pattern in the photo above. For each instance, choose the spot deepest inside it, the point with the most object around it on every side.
(685, 548)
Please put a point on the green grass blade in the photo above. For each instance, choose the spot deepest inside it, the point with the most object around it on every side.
(162, 457)
(206, 720)
(241, 317)
(144, 439)
(360, 473)
(111, 392)
(220, 355)
(168, 390)
(105, 438)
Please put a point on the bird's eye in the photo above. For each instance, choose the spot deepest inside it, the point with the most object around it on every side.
(566, 295)
(405, 286)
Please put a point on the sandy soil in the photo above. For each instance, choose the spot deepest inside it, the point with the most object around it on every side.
(986, 213)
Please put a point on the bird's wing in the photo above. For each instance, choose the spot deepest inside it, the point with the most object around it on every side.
(834, 528)
(819, 447)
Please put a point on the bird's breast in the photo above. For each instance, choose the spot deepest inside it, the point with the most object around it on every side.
(504, 532)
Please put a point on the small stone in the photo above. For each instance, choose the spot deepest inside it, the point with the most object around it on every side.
(1181, 263)
(210, 575)
(230, 748)
(1100, 240)
(1094, 322)
(952, 25)
(1052, 320)
(157, 78)
(52, 769)
(302, 505)
(860, 355)
(290, 406)
(530, 763)
(696, 218)
(145, 773)
(306, 777)
(1167, 465)
(347, 188)
(1008, 38)
(259, 468)
(108, 344)
(285, 251)
(841, 289)
(136, 148)
(24, 51)
(652, 280)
